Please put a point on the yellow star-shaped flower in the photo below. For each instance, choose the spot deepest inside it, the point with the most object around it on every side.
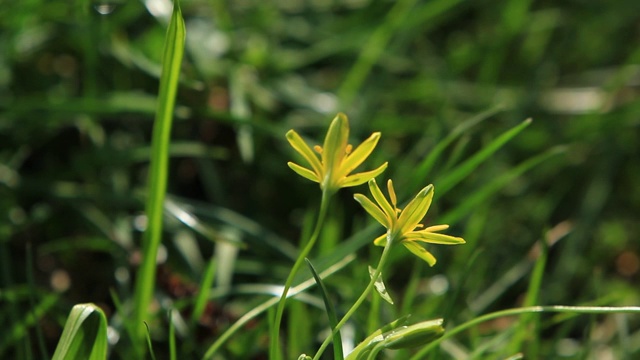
(336, 161)
(402, 224)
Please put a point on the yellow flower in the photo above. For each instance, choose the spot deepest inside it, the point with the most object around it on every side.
(336, 160)
(402, 224)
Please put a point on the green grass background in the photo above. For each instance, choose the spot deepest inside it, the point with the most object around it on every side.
(441, 79)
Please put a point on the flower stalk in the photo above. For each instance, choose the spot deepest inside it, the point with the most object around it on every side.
(401, 227)
(356, 305)
(330, 166)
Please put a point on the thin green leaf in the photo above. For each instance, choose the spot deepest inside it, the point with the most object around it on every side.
(32, 301)
(338, 353)
(526, 310)
(84, 335)
(172, 59)
(373, 50)
(203, 295)
(149, 345)
(424, 168)
(20, 328)
(524, 329)
(172, 337)
(488, 190)
(463, 170)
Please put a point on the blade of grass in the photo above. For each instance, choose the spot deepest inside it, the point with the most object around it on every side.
(523, 329)
(456, 153)
(484, 193)
(19, 329)
(271, 315)
(257, 234)
(301, 320)
(127, 325)
(32, 300)
(374, 314)
(411, 290)
(518, 271)
(149, 345)
(172, 58)
(373, 50)
(425, 167)
(447, 182)
(338, 353)
(7, 281)
(172, 337)
(527, 310)
(456, 293)
(84, 336)
(203, 295)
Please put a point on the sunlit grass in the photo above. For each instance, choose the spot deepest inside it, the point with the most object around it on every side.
(159, 169)
(548, 207)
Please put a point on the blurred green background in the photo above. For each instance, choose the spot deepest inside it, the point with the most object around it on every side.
(78, 82)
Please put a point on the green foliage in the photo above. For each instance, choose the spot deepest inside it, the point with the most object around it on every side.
(84, 335)
(447, 83)
(159, 167)
(331, 312)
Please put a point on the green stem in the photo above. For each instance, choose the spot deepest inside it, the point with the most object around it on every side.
(275, 336)
(527, 310)
(356, 305)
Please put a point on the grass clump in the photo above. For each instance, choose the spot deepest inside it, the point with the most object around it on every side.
(91, 141)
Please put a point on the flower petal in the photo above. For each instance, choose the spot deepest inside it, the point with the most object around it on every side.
(381, 240)
(363, 177)
(434, 238)
(359, 155)
(436, 228)
(373, 210)
(392, 194)
(301, 147)
(382, 201)
(415, 210)
(335, 145)
(304, 172)
(421, 252)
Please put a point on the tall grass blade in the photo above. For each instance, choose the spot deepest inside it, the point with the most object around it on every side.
(271, 315)
(484, 193)
(373, 50)
(172, 58)
(149, 345)
(425, 167)
(523, 329)
(299, 318)
(172, 337)
(515, 273)
(19, 329)
(459, 173)
(526, 310)
(203, 295)
(338, 353)
(32, 300)
(84, 336)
